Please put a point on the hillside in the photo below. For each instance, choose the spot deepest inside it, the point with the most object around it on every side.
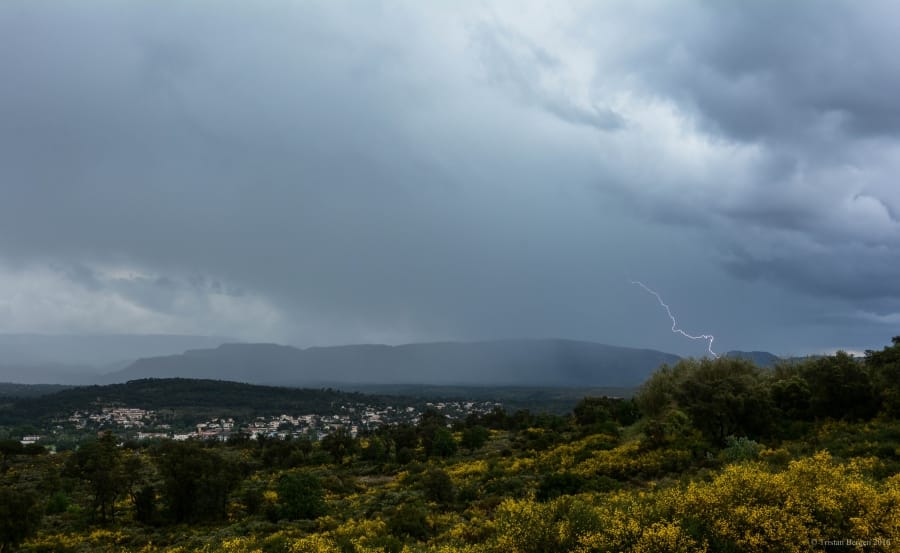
(507, 362)
(188, 398)
(14, 390)
(760, 358)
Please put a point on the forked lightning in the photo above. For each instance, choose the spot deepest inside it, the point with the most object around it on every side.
(675, 329)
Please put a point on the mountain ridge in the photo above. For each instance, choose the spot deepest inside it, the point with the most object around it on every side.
(760, 358)
(537, 362)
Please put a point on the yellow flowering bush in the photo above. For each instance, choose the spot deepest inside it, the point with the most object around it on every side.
(467, 470)
(315, 543)
(749, 508)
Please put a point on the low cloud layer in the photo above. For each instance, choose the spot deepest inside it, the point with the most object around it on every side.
(319, 174)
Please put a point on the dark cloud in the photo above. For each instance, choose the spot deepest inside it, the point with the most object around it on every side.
(317, 174)
(514, 62)
(809, 94)
(782, 71)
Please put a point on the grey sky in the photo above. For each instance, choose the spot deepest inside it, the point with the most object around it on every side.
(326, 173)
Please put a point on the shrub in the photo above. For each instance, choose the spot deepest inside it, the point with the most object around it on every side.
(300, 496)
(740, 449)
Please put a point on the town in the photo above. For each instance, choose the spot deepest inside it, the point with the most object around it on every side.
(131, 423)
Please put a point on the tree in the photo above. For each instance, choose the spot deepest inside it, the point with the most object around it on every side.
(885, 370)
(497, 419)
(442, 444)
(339, 444)
(376, 450)
(410, 519)
(10, 448)
(724, 397)
(474, 437)
(99, 463)
(605, 414)
(592, 410)
(430, 421)
(436, 439)
(658, 393)
(791, 394)
(196, 481)
(439, 486)
(404, 435)
(556, 484)
(20, 516)
(283, 453)
(145, 505)
(301, 496)
(840, 388)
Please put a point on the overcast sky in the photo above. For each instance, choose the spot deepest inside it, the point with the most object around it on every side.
(319, 173)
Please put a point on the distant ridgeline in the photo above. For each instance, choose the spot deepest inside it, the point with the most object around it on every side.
(14, 390)
(548, 362)
(496, 363)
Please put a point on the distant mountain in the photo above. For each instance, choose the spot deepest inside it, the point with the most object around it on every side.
(505, 362)
(10, 390)
(760, 358)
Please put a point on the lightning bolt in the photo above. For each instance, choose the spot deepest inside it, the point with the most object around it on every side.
(675, 329)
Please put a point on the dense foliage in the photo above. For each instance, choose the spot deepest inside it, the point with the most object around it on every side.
(712, 455)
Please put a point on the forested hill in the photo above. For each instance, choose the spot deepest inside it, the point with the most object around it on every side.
(15, 390)
(759, 358)
(504, 362)
(199, 397)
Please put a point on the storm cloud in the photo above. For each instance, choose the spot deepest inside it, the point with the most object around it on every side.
(320, 173)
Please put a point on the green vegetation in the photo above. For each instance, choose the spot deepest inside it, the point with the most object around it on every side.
(11, 390)
(189, 400)
(547, 399)
(710, 455)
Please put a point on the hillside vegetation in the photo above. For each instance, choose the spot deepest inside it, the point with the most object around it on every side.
(191, 398)
(711, 455)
